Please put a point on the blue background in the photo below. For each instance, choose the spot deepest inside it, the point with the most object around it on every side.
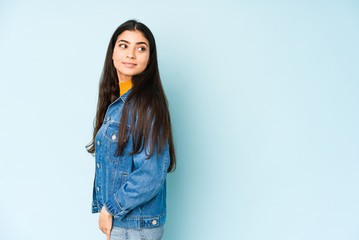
(264, 102)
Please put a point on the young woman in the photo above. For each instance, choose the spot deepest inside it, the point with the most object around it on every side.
(132, 140)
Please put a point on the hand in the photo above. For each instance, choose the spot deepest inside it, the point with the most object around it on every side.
(105, 222)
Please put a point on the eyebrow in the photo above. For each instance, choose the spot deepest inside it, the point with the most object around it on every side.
(129, 42)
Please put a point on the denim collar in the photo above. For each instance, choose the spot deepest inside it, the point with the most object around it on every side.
(122, 98)
(125, 95)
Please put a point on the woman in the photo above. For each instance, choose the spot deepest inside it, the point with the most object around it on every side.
(132, 139)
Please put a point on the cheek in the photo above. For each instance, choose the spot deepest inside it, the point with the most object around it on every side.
(116, 60)
(116, 63)
(117, 55)
(145, 62)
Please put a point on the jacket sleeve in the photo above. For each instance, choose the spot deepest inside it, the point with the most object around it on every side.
(142, 184)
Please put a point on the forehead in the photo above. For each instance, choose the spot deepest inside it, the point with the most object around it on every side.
(132, 36)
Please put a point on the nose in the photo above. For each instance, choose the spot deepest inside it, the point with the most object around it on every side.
(131, 53)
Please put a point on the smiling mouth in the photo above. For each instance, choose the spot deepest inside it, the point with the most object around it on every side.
(130, 65)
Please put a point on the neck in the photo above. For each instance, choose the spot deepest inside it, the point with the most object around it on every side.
(125, 86)
(123, 78)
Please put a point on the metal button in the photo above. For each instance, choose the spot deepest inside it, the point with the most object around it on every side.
(98, 189)
(114, 137)
(98, 143)
(108, 119)
(98, 165)
(154, 222)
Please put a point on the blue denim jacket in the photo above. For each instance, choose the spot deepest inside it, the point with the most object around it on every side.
(132, 188)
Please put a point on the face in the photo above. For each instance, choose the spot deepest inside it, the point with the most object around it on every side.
(130, 54)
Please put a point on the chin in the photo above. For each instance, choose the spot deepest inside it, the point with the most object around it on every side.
(129, 73)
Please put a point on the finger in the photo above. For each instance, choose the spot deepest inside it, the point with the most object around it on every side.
(108, 235)
(104, 230)
(100, 226)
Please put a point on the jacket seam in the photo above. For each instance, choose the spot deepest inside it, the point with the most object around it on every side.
(109, 210)
(140, 217)
(117, 202)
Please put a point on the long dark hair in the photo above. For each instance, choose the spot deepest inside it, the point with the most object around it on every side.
(150, 119)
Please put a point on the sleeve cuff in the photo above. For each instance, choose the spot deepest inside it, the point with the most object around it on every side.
(114, 208)
(108, 210)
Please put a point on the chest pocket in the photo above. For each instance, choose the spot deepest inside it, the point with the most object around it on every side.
(111, 133)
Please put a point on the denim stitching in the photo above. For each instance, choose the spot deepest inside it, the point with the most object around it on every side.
(109, 209)
(148, 217)
(117, 202)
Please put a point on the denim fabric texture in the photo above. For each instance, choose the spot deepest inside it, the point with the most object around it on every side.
(118, 233)
(131, 187)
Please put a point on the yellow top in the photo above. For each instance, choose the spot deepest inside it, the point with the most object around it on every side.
(124, 87)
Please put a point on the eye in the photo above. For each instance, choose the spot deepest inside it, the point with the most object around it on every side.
(141, 49)
(122, 45)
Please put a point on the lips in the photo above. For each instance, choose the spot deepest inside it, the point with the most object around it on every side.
(129, 64)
